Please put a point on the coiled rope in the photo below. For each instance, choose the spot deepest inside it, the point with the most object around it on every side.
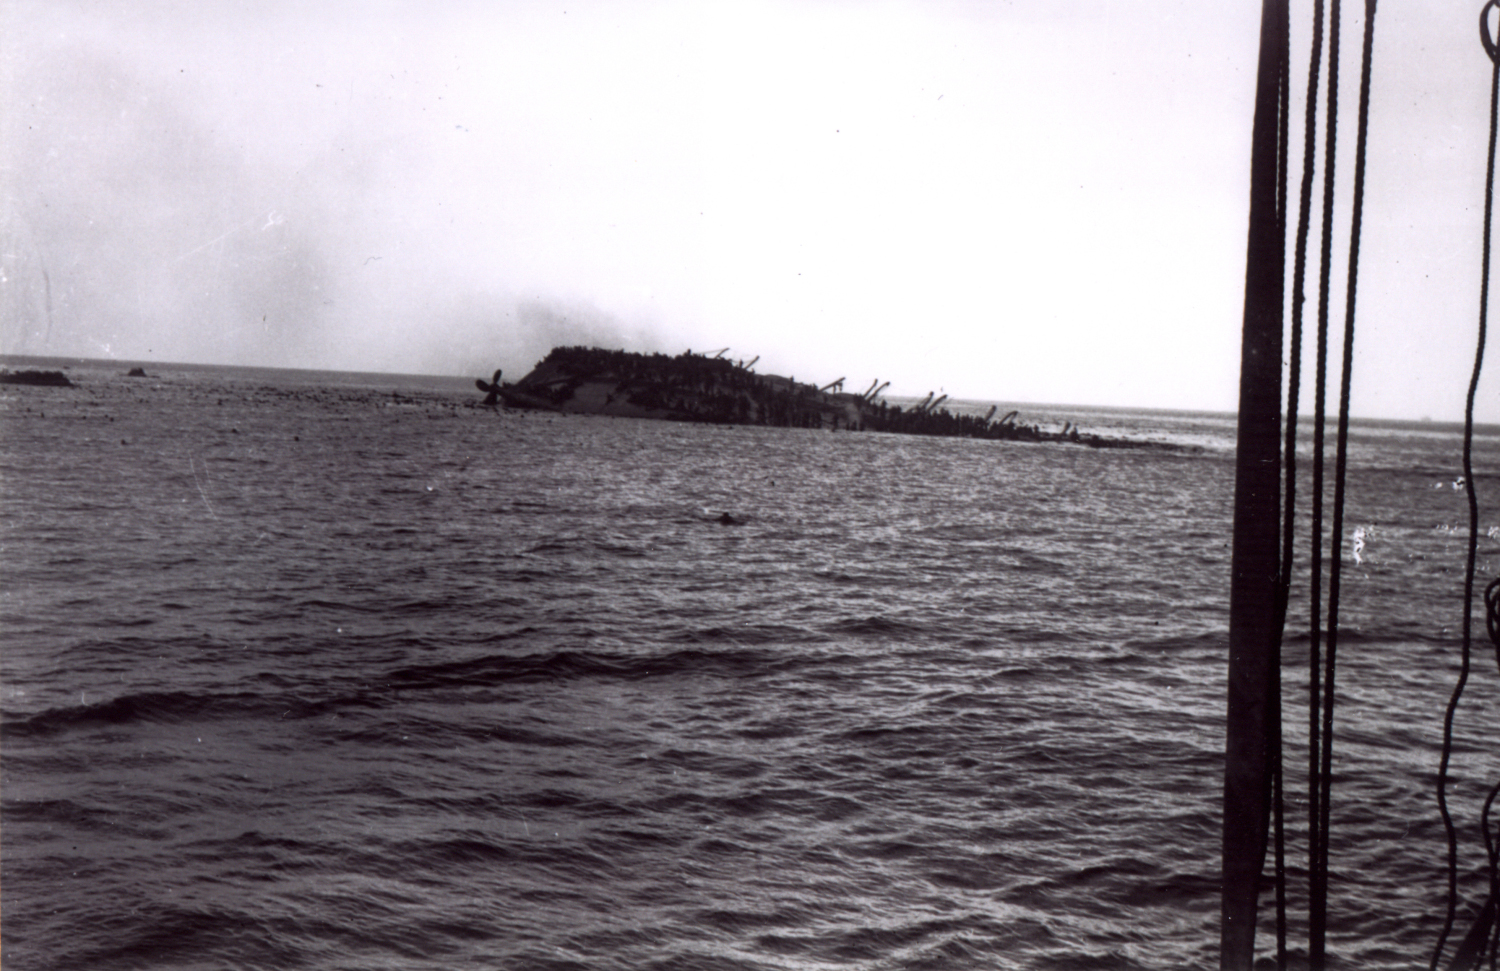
(1491, 623)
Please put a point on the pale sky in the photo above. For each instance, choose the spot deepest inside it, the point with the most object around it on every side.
(1025, 201)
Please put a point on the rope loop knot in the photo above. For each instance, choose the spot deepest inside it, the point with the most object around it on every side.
(1485, 37)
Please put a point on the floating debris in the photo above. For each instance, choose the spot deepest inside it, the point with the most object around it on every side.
(50, 379)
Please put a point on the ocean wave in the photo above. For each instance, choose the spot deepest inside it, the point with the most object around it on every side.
(168, 707)
(935, 706)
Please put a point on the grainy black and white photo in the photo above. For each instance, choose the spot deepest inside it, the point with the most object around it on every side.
(748, 485)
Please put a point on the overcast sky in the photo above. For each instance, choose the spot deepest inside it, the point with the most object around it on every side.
(1027, 201)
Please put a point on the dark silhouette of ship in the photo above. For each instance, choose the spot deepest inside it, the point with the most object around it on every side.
(714, 389)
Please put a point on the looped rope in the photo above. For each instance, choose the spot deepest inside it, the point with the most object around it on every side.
(1484, 28)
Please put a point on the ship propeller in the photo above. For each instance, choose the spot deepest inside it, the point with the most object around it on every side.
(491, 388)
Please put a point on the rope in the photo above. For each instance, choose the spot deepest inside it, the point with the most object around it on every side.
(1299, 286)
(1492, 848)
(1492, 615)
(1317, 890)
(1481, 937)
(1283, 586)
(1492, 852)
(1463, 671)
(1294, 389)
(1316, 954)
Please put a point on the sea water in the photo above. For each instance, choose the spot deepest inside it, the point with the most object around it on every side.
(329, 671)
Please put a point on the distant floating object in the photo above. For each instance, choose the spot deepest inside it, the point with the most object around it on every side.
(49, 379)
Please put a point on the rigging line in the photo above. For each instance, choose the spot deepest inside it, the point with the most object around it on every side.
(1473, 509)
(1336, 535)
(1278, 796)
(1317, 878)
(1299, 284)
(1294, 388)
(1492, 614)
(1481, 938)
(1463, 671)
(1492, 850)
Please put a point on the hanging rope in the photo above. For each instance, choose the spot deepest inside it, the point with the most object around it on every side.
(1481, 937)
(1492, 615)
(1464, 659)
(1299, 286)
(1294, 388)
(1492, 851)
(1317, 889)
(1484, 936)
(1278, 798)
(1318, 915)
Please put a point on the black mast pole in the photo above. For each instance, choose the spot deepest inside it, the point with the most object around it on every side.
(1254, 668)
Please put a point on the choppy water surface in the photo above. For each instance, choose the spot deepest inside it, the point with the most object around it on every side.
(337, 675)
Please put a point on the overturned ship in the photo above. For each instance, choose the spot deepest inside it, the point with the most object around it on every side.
(704, 388)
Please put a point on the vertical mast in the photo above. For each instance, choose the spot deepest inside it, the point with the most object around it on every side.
(1254, 674)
